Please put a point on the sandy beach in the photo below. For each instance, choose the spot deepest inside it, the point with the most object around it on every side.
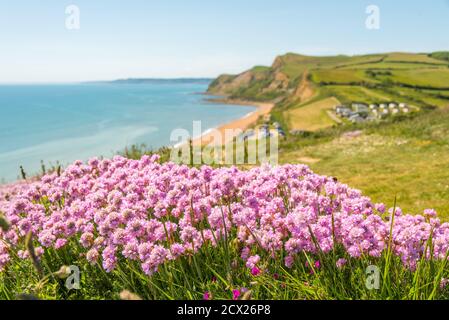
(263, 109)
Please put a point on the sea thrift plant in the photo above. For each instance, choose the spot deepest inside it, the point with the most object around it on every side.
(155, 214)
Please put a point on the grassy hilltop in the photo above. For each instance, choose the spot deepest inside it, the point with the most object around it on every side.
(404, 156)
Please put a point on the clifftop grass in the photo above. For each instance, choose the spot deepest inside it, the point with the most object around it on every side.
(407, 159)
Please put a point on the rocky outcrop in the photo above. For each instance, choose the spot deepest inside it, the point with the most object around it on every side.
(280, 82)
(265, 83)
(258, 80)
(305, 90)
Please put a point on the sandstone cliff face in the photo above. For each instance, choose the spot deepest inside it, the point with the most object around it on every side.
(304, 91)
(278, 63)
(227, 84)
(264, 83)
(280, 82)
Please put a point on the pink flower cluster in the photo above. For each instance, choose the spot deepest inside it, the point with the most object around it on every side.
(154, 213)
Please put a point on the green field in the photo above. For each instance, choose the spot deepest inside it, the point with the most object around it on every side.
(340, 76)
(418, 58)
(312, 117)
(347, 94)
(391, 66)
(430, 78)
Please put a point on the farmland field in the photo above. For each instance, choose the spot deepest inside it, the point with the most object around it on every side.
(391, 65)
(348, 94)
(313, 116)
(339, 76)
(435, 78)
(406, 57)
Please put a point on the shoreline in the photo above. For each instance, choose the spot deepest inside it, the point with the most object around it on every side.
(262, 109)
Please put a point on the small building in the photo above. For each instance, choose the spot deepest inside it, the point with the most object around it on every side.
(406, 110)
(347, 113)
(383, 106)
(402, 105)
(392, 105)
(341, 109)
(373, 107)
(395, 111)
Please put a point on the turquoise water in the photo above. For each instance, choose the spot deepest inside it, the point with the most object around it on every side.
(75, 122)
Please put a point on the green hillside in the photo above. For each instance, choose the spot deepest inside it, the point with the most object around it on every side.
(403, 156)
(285, 80)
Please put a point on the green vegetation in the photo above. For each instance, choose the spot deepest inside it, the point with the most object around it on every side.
(348, 94)
(403, 159)
(442, 55)
(427, 78)
(312, 116)
(311, 277)
(414, 58)
(343, 76)
(369, 78)
(404, 156)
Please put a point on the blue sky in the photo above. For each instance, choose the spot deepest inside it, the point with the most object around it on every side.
(199, 38)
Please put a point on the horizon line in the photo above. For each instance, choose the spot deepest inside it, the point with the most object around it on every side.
(106, 81)
(328, 54)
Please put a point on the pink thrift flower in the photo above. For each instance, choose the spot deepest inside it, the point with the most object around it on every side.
(235, 294)
(289, 260)
(341, 263)
(255, 271)
(245, 253)
(92, 256)
(252, 261)
(380, 207)
(430, 213)
(60, 243)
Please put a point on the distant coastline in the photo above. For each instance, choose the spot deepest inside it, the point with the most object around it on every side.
(154, 81)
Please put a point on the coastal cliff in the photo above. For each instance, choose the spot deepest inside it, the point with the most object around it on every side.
(272, 84)
(295, 78)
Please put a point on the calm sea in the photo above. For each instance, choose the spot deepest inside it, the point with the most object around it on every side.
(75, 122)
